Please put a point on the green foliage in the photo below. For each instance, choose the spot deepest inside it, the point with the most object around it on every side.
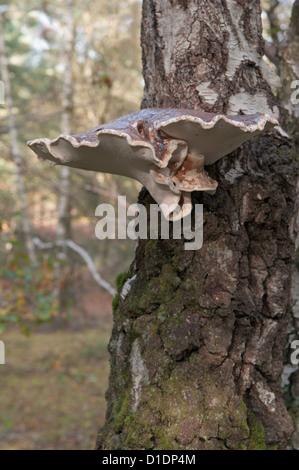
(27, 292)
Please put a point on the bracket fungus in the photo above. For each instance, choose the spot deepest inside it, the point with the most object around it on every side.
(164, 149)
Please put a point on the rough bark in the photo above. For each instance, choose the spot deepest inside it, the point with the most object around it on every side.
(15, 151)
(198, 337)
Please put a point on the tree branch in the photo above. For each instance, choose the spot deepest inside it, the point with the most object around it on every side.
(81, 252)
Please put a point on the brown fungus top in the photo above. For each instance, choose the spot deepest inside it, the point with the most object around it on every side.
(164, 149)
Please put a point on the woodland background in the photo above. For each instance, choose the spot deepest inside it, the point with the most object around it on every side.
(71, 65)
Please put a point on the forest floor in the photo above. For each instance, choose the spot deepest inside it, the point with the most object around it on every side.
(53, 385)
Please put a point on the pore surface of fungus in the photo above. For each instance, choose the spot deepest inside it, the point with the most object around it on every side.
(164, 149)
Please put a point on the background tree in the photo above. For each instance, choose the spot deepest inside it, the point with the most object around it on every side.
(63, 230)
(197, 344)
(15, 152)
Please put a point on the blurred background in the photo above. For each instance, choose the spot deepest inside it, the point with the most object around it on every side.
(67, 66)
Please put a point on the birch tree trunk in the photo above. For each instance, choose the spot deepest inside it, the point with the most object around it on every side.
(63, 228)
(15, 151)
(63, 231)
(198, 337)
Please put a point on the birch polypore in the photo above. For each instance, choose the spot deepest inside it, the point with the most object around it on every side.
(164, 149)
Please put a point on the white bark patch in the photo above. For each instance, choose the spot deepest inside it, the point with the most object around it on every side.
(234, 173)
(240, 50)
(127, 287)
(266, 397)
(205, 92)
(251, 104)
(170, 24)
(139, 375)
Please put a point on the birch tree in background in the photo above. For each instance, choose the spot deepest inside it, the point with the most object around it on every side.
(63, 227)
(15, 151)
(64, 203)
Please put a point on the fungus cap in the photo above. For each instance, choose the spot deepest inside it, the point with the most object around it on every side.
(163, 149)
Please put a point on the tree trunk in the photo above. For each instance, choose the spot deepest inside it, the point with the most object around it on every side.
(63, 231)
(197, 343)
(63, 228)
(15, 151)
